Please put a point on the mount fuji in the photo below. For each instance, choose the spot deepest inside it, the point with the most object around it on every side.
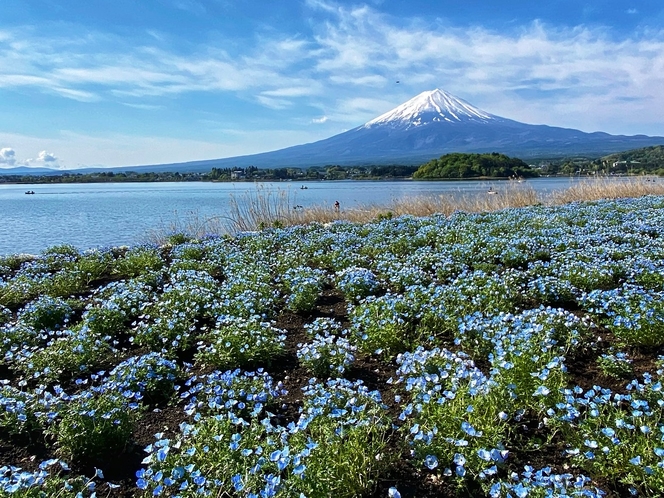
(425, 127)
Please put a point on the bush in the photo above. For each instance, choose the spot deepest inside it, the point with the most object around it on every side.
(238, 342)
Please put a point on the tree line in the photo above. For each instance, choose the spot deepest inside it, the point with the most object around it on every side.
(330, 172)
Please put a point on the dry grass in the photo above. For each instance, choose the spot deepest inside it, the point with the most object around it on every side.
(607, 188)
(192, 224)
(260, 208)
(264, 208)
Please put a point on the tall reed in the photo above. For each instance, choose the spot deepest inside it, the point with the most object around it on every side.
(607, 188)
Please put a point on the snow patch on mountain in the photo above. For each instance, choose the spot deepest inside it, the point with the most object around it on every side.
(431, 106)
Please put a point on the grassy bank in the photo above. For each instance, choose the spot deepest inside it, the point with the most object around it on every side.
(509, 353)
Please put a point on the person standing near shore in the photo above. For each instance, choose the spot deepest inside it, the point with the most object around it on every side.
(336, 206)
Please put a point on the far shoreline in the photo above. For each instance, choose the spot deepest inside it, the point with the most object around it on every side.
(143, 178)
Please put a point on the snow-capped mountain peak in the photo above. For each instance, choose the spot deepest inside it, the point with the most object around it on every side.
(431, 106)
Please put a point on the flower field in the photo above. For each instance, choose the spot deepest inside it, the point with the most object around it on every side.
(515, 353)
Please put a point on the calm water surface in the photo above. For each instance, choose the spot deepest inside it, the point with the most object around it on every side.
(98, 215)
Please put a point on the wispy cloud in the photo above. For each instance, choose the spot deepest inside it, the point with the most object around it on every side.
(144, 107)
(349, 62)
(98, 66)
(297, 91)
(555, 69)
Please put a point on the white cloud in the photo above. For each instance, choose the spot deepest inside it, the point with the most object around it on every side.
(300, 91)
(372, 80)
(144, 107)
(46, 157)
(353, 53)
(538, 72)
(99, 66)
(7, 156)
(321, 120)
(273, 103)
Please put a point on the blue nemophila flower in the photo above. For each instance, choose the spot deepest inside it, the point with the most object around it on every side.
(237, 482)
(431, 462)
(393, 493)
(484, 454)
(541, 391)
(470, 430)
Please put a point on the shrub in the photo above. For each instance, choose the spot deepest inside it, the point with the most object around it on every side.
(357, 283)
(326, 356)
(633, 314)
(93, 425)
(303, 286)
(238, 342)
(46, 313)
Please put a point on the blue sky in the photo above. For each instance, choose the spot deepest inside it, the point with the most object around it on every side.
(126, 82)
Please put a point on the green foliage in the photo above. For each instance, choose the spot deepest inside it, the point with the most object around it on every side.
(5, 314)
(149, 374)
(75, 275)
(138, 261)
(51, 482)
(105, 321)
(66, 354)
(383, 325)
(46, 313)
(459, 165)
(336, 448)
(18, 413)
(241, 342)
(621, 437)
(616, 365)
(326, 356)
(303, 286)
(631, 313)
(462, 422)
(177, 238)
(92, 427)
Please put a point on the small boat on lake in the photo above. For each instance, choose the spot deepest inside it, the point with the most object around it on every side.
(304, 187)
(491, 191)
(29, 192)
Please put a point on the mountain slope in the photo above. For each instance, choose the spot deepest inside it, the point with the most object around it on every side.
(429, 125)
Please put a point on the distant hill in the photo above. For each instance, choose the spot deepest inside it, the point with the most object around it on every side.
(650, 156)
(24, 170)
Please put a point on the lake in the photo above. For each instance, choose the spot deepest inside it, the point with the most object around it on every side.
(111, 214)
